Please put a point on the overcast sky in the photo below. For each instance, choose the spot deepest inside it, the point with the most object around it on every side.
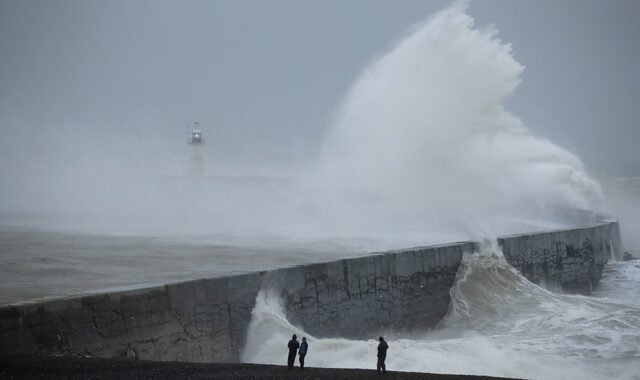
(265, 77)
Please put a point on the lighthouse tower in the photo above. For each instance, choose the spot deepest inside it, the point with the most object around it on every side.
(196, 135)
(196, 141)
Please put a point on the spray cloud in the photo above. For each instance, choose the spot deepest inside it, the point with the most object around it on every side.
(424, 132)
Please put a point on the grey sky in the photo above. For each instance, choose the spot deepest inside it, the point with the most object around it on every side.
(264, 77)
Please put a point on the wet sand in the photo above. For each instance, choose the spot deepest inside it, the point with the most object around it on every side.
(38, 367)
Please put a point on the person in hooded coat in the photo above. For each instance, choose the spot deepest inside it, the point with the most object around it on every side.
(382, 355)
(293, 350)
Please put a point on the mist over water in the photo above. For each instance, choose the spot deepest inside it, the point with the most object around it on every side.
(621, 188)
(422, 151)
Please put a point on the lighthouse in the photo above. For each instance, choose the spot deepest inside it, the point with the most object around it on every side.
(196, 135)
(196, 141)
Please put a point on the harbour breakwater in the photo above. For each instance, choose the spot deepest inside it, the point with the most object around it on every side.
(207, 320)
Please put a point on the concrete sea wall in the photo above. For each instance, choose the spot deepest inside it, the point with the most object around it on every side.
(571, 260)
(207, 320)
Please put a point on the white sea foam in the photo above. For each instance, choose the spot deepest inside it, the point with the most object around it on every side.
(499, 324)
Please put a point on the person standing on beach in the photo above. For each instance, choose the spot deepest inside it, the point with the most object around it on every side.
(382, 355)
(302, 352)
(293, 350)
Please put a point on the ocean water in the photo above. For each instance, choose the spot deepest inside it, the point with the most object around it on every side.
(39, 264)
(47, 257)
(422, 152)
(498, 324)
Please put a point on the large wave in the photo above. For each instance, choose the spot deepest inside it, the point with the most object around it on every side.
(423, 142)
(423, 137)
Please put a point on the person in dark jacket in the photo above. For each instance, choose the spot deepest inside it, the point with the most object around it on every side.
(293, 350)
(302, 352)
(382, 355)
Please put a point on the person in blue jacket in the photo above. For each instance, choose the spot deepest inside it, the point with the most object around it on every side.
(303, 351)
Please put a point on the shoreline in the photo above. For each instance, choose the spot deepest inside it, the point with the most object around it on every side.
(71, 367)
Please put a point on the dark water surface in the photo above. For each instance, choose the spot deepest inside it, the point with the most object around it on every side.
(36, 265)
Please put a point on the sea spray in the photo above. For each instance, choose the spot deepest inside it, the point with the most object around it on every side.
(422, 151)
(423, 138)
(423, 145)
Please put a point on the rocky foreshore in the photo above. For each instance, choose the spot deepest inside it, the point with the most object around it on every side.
(39, 367)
